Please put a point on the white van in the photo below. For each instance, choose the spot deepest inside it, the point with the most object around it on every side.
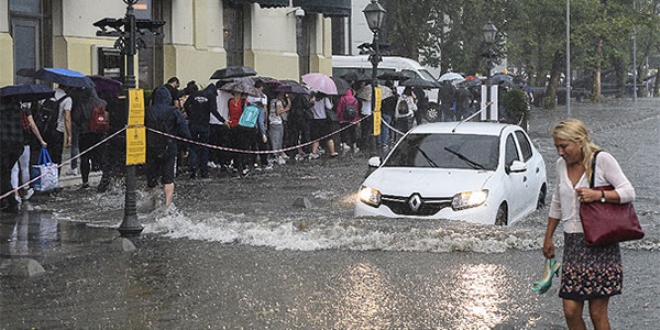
(343, 64)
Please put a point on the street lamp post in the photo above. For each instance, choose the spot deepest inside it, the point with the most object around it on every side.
(374, 13)
(490, 31)
(126, 29)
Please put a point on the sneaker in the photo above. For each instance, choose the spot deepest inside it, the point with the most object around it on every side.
(211, 165)
(245, 173)
(285, 156)
(313, 156)
(72, 172)
(84, 186)
(281, 161)
(300, 157)
(17, 197)
(268, 167)
(258, 169)
(356, 150)
(28, 194)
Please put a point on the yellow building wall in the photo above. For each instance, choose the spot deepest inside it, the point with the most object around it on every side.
(6, 67)
(188, 63)
(273, 63)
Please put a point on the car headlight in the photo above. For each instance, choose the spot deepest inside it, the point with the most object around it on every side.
(369, 196)
(468, 199)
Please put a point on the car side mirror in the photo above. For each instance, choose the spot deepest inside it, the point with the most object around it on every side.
(374, 161)
(516, 167)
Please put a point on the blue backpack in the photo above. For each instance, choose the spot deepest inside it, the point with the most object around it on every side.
(249, 117)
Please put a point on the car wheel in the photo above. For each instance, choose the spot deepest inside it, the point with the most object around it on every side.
(433, 113)
(501, 218)
(541, 202)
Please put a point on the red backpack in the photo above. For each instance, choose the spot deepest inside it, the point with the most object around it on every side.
(98, 123)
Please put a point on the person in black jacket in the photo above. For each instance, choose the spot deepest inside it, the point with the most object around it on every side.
(199, 107)
(160, 163)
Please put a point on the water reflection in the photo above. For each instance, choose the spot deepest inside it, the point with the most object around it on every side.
(27, 233)
(365, 299)
(476, 293)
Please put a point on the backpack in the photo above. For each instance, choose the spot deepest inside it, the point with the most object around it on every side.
(249, 117)
(97, 121)
(350, 111)
(158, 143)
(46, 119)
(402, 107)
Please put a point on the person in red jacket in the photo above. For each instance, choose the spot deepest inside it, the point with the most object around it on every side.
(347, 111)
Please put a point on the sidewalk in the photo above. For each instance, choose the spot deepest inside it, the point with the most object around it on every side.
(75, 180)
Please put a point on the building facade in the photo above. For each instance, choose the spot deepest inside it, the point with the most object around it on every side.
(278, 38)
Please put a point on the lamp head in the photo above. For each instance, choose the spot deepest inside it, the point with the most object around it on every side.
(375, 15)
(489, 31)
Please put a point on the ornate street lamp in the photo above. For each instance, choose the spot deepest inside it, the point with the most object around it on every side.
(374, 13)
(490, 31)
(126, 29)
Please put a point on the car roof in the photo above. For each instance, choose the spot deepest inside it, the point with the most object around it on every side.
(480, 128)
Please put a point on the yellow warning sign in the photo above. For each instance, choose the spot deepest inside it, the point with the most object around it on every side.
(377, 118)
(136, 145)
(136, 107)
(379, 99)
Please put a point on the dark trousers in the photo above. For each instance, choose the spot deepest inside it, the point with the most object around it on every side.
(299, 133)
(114, 156)
(242, 139)
(10, 155)
(261, 146)
(87, 140)
(367, 129)
(55, 147)
(219, 136)
(198, 156)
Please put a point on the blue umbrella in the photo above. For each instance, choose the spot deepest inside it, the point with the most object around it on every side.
(64, 77)
(27, 92)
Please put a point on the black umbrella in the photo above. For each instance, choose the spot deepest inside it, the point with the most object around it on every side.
(501, 77)
(291, 89)
(107, 85)
(27, 92)
(233, 72)
(241, 87)
(355, 76)
(341, 84)
(65, 77)
(394, 75)
(421, 83)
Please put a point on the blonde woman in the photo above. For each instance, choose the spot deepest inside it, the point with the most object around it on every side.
(592, 274)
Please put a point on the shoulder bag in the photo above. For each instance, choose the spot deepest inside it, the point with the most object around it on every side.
(608, 223)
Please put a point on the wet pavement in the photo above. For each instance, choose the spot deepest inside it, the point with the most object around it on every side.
(237, 255)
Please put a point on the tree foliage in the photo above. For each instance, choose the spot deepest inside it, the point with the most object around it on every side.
(531, 36)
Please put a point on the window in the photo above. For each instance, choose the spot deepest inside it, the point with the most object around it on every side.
(25, 6)
(511, 153)
(464, 151)
(525, 145)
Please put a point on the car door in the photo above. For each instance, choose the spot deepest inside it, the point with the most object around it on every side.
(516, 180)
(535, 171)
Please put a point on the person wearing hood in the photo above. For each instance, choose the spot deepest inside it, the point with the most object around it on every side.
(347, 111)
(161, 156)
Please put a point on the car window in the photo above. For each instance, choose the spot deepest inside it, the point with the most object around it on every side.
(427, 75)
(511, 152)
(525, 145)
(445, 151)
(410, 73)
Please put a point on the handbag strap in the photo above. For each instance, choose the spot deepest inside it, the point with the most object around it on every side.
(593, 170)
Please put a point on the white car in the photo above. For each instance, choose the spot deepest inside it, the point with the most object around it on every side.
(480, 172)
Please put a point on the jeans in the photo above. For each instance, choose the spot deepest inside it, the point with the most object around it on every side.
(276, 135)
(75, 145)
(198, 156)
(384, 136)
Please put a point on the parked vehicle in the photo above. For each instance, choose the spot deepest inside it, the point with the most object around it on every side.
(344, 64)
(480, 172)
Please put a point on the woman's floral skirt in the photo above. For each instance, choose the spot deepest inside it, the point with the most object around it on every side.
(589, 272)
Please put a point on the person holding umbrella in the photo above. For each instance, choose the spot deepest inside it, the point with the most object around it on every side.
(11, 144)
(22, 166)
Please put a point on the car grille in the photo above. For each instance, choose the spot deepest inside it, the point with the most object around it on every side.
(429, 206)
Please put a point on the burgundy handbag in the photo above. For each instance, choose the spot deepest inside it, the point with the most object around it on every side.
(607, 223)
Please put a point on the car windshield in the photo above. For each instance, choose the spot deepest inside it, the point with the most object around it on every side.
(464, 151)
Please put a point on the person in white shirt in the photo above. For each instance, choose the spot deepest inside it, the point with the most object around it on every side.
(591, 274)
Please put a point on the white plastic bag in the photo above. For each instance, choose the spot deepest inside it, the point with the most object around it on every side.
(47, 171)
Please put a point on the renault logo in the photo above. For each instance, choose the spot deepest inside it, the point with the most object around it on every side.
(415, 202)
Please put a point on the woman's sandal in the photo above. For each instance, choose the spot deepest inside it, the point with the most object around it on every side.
(545, 282)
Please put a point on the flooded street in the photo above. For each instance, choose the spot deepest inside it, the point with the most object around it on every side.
(236, 254)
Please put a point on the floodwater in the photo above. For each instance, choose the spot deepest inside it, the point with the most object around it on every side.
(236, 254)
